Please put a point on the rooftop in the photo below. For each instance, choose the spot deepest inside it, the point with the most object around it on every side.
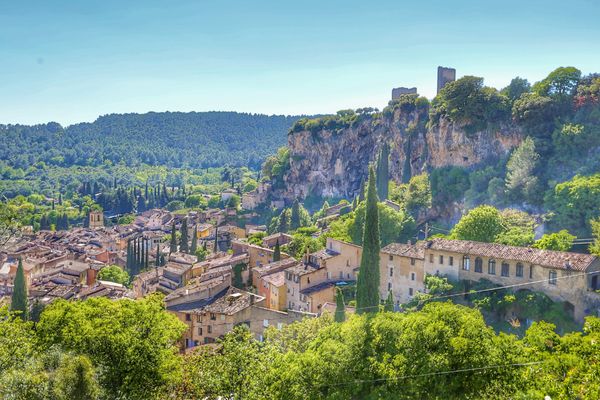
(405, 250)
(545, 258)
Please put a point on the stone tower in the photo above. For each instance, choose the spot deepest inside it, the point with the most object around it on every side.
(96, 219)
(397, 92)
(445, 75)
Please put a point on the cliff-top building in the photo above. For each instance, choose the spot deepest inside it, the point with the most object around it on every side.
(399, 91)
(444, 76)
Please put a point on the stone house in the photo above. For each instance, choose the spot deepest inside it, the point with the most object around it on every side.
(401, 271)
(572, 278)
(271, 240)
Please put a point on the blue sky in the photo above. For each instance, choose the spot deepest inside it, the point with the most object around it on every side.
(70, 61)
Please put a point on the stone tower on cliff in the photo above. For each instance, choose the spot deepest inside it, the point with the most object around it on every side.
(445, 75)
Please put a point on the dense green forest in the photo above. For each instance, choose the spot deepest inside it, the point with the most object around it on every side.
(103, 349)
(42, 158)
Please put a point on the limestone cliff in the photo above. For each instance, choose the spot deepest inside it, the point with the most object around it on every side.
(334, 162)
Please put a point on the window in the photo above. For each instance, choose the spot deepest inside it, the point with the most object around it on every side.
(213, 316)
(431, 258)
(478, 265)
(412, 276)
(188, 317)
(441, 259)
(492, 267)
(279, 325)
(466, 263)
(530, 271)
(410, 291)
(198, 318)
(389, 286)
(505, 268)
(412, 261)
(552, 277)
(391, 257)
(210, 329)
(519, 270)
(341, 274)
(200, 330)
(392, 271)
(451, 260)
(266, 323)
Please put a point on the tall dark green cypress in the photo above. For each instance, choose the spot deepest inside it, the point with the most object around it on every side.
(18, 301)
(184, 240)
(383, 172)
(367, 285)
(157, 262)
(295, 218)
(277, 252)
(194, 246)
(340, 307)
(146, 251)
(216, 248)
(389, 302)
(173, 248)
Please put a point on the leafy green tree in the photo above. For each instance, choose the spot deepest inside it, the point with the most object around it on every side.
(202, 253)
(516, 88)
(19, 302)
(340, 307)
(367, 287)
(277, 252)
(184, 239)
(521, 181)
(518, 228)
(561, 83)
(481, 224)
(114, 273)
(560, 241)
(75, 380)
(173, 245)
(395, 226)
(575, 203)
(132, 344)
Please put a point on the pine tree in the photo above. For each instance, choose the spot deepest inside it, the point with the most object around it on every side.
(383, 173)
(277, 252)
(340, 307)
(194, 246)
(19, 295)
(295, 218)
(367, 286)
(389, 302)
(184, 241)
(173, 248)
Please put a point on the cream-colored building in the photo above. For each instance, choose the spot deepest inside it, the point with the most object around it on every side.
(572, 278)
(401, 271)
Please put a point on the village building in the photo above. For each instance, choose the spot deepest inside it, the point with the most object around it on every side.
(279, 237)
(401, 271)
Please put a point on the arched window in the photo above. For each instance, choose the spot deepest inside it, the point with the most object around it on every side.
(492, 266)
(505, 269)
(466, 263)
(478, 265)
(519, 270)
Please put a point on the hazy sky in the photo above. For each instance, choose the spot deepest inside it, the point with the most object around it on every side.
(70, 61)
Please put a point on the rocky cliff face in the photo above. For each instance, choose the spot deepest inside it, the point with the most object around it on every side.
(334, 163)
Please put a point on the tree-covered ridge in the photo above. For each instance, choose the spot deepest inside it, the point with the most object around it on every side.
(174, 139)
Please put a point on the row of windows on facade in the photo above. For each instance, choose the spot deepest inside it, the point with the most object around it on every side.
(213, 317)
(504, 268)
(412, 260)
(410, 290)
(412, 274)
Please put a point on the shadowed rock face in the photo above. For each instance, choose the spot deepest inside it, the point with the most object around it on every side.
(335, 163)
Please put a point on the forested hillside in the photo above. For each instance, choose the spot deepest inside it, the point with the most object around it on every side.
(174, 139)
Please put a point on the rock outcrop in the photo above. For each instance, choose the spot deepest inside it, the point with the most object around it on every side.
(334, 163)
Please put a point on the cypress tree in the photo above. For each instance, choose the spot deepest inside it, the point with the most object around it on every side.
(146, 251)
(295, 218)
(18, 301)
(340, 307)
(194, 246)
(383, 173)
(389, 302)
(129, 264)
(277, 252)
(367, 285)
(184, 241)
(173, 248)
(157, 262)
(60, 199)
(216, 248)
